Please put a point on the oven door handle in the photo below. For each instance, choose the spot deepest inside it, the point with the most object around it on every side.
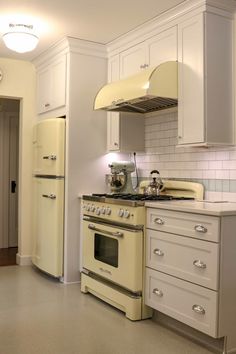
(115, 234)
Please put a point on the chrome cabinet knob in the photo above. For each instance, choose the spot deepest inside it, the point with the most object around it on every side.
(159, 221)
(157, 292)
(200, 228)
(199, 264)
(199, 309)
(158, 252)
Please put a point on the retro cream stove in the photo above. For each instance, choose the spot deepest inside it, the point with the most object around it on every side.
(114, 245)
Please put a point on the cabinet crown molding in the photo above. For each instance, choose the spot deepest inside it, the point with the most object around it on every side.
(70, 45)
(168, 19)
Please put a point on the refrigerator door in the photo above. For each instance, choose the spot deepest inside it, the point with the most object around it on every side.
(49, 147)
(48, 224)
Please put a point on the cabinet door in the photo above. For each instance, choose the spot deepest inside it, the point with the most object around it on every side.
(113, 131)
(162, 47)
(133, 60)
(113, 118)
(58, 87)
(51, 86)
(191, 81)
(43, 90)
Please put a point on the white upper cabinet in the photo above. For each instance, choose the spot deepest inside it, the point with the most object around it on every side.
(133, 60)
(51, 86)
(205, 102)
(152, 52)
(162, 47)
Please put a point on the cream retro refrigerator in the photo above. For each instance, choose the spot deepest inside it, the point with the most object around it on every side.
(48, 204)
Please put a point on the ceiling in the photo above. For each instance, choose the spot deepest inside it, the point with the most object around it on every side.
(96, 20)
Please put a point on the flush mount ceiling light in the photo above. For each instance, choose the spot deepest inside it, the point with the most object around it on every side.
(20, 38)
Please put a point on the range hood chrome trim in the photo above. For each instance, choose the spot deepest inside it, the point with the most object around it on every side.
(151, 90)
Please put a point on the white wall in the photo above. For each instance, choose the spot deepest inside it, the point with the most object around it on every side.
(215, 167)
(19, 82)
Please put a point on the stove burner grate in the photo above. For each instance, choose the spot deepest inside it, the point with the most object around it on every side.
(141, 197)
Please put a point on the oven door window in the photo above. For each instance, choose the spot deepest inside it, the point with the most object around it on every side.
(106, 249)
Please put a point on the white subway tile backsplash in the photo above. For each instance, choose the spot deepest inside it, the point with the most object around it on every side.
(203, 165)
(229, 165)
(214, 166)
(222, 155)
(223, 174)
(232, 174)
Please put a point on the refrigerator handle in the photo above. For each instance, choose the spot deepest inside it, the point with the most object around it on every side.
(50, 157)
(50, 196)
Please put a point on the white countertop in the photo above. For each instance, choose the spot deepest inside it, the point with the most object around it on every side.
(198, 207)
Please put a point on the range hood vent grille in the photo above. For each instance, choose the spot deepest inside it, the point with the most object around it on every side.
(151, 90)
(150, 105)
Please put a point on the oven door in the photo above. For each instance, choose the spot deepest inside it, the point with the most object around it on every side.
(114, 253)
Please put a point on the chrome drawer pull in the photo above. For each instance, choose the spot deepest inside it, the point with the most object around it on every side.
(199, 264)
(159, 221)
(116, 233)
(158, 252)
(50, 196)
(157, 292)
(200, 228)
(198, 309)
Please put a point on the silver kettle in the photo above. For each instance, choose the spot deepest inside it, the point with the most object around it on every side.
(155, 185)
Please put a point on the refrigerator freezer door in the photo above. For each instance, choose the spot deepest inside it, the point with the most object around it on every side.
(49, 147)
(48, 224)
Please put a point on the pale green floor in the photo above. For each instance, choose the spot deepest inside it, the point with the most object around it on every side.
(41, 316)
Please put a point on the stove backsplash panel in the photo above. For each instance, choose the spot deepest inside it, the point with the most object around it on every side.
(215, 167)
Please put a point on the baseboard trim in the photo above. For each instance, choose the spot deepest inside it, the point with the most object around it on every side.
(23, 260)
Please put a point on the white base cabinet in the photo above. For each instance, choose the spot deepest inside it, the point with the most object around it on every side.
(190, 270)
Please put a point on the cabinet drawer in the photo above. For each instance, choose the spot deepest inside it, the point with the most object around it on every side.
(190, 259)
(193, 225)
(186, 302)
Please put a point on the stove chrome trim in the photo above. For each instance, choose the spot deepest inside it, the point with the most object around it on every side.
(115, 234)
(112, 223)
(123, 290)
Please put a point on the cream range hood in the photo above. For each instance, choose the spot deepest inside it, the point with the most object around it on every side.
(151, 90)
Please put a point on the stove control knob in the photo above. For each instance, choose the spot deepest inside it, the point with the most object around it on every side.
(88, 207)
(103, 210)
(121, 213)
(108, 211)
(92, 209)
(126, 214)
(98, 211)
